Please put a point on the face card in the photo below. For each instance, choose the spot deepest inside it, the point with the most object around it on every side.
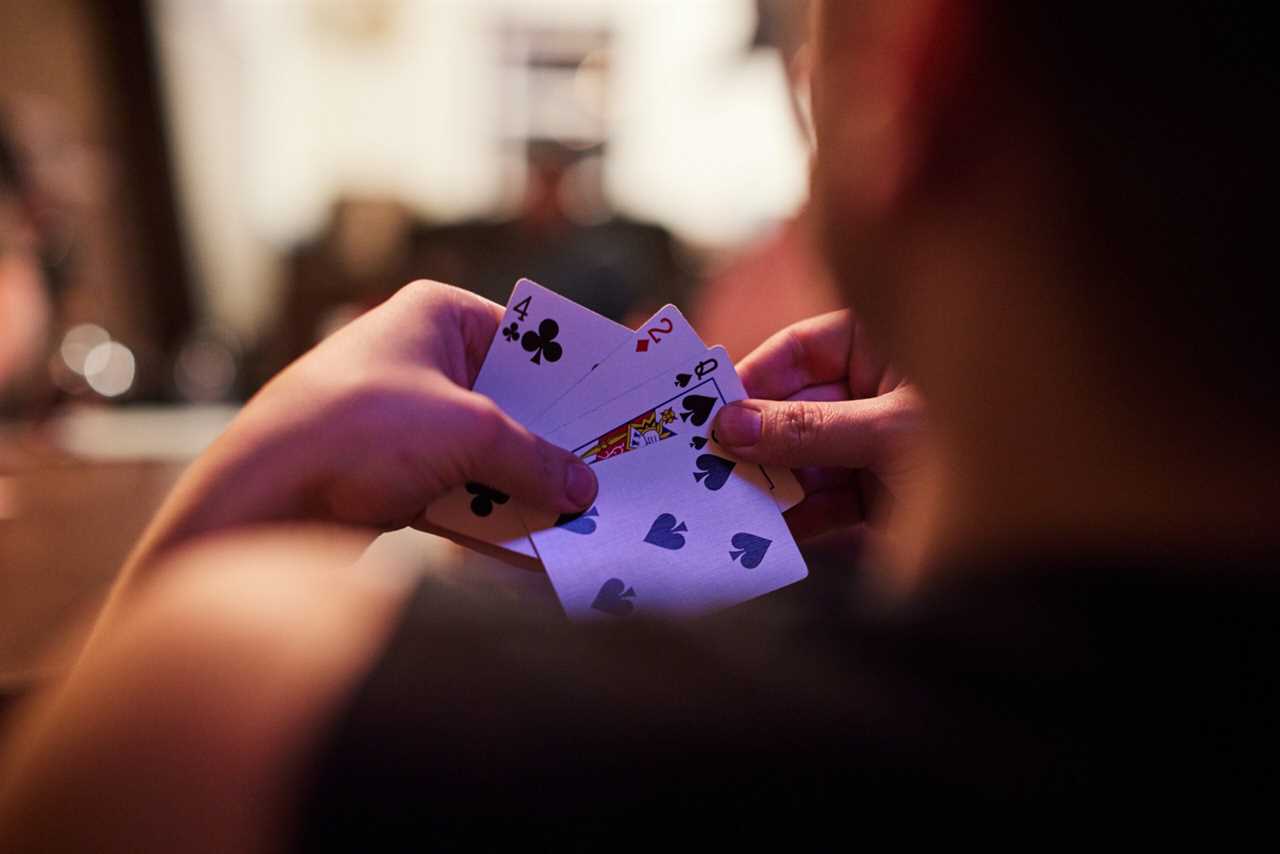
(662, 342)
(640, 417)
(544, 345)
(685, 413)
(676, 530)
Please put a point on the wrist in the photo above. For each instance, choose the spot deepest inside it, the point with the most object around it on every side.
(254, 473)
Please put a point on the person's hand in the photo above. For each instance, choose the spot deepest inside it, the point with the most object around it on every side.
(825, 405)
(372, 426)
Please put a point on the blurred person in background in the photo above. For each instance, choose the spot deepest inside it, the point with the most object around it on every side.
(564, 232)
(1083, 615)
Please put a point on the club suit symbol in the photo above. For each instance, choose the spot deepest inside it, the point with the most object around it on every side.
(542, 344)
(750, 548)
(485, 498)
(615, 598)
(665, 533)
(714, 472)
(697, 409)
(512, 332)
(579, 523)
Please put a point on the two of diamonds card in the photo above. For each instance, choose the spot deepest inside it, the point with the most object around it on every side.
(678, 527)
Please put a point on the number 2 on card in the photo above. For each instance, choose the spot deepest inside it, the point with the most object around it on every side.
(655, 334)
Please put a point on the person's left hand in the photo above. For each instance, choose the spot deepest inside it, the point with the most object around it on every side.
(372, 426)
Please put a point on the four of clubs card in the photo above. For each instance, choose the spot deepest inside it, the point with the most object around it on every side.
(678, 527)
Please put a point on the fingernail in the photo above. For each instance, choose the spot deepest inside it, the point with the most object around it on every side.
(738, 426)
(580, 484)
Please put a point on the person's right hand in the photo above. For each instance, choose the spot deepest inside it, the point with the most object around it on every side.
(825, 405)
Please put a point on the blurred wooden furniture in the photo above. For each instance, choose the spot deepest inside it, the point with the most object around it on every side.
(66, 529)
(75, 494)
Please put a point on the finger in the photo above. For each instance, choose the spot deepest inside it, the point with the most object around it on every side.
(811, 352)
(435, 305)
(828, 393)
(848, 434)
(479, 320)
(507, 457)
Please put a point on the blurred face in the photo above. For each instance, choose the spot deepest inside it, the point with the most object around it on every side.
(858, 85)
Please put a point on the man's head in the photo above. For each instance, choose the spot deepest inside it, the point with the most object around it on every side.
(997, 178)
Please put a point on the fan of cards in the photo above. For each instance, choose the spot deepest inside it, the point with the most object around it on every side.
(679, 527)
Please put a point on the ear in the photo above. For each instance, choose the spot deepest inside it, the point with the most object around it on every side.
(887, 73)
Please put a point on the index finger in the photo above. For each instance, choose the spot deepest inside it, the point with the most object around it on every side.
(811, 352)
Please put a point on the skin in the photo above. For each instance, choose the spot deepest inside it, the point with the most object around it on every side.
(954, 219)
(949, 222)
(24, 308)
(369, 429)
(359, 436)
(825, 405)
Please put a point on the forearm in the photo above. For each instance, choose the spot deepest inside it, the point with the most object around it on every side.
(261, 471)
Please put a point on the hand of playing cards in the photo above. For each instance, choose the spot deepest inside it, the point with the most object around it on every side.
(678, 527)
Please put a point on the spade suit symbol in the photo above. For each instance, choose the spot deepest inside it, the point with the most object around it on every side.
(579, 523)
(665, 533)
(714, 472)
(698, 442)
(697, 409)
(615, 598)
(683, 380)
(750, 548)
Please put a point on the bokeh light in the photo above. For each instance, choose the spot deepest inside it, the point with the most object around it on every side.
(110, 369)
(79, 342)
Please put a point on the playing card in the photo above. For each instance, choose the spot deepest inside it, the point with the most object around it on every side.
(543, 347)
(675, 530)
(630, 421)
(664, 341)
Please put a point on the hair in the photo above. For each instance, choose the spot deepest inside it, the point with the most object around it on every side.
(1166, 112)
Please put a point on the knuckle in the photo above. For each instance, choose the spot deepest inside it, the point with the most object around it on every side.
(426, 294)
(797, 425)
(547, 466)
(793, 343)
(423, 289)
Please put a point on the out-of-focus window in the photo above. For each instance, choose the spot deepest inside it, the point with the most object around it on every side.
(439, 112)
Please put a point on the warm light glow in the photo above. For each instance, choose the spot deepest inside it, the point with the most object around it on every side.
(79, 342)
(110, 369)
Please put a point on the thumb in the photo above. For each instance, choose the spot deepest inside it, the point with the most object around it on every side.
(504, 455)
(851, 434)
